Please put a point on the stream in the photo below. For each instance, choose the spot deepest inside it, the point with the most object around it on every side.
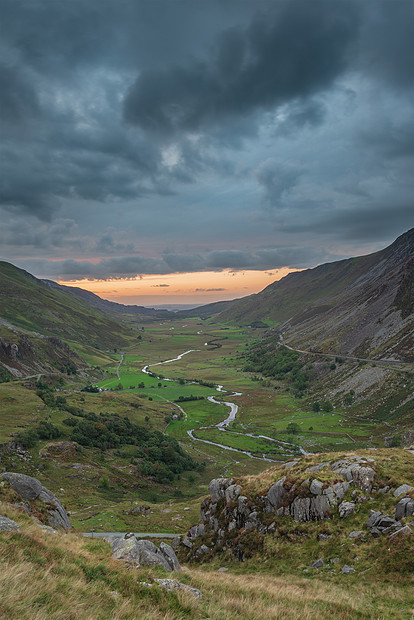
(223, 425)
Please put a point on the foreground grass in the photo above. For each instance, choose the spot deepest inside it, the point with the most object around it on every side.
(65, 577)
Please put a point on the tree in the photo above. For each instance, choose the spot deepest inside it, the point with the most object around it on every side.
(316, 406)
(293, 428)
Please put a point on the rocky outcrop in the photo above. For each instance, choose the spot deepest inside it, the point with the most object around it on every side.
(38, 499)
(230, 513)
(143, 553)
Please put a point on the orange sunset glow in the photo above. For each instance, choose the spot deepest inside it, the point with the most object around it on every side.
(182, 288)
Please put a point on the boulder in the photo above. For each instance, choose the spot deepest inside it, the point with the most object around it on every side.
(187, 542)
(347, 570)
(143, 553)
(403, 530)
(7, 525)
(404, 508)
(31, 489)
(373, 517)
(173, 584)
(169, 555)
(346, 509)
(403, 489)
(25, 486)
(316, 487)
(317, 563)
(355, 534)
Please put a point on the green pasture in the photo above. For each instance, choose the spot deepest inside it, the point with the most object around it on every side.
(240, 442)
(19, 409)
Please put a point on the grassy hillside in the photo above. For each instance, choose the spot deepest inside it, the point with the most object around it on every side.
(46, 576)
(29, 304)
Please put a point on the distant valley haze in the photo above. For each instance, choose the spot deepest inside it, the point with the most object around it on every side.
(164, 153)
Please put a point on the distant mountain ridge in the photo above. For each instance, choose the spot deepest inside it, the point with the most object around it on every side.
(108, 307)
(362, 306)
(30, 305)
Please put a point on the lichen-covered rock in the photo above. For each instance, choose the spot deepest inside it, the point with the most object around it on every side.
(7, 525)
(30, 489)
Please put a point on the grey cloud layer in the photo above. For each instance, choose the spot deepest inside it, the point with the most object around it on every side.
(131, 126)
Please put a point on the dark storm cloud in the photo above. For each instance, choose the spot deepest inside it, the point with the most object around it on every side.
(289, 52)
(133, 266)
(18, 99)
(276, 179)
(130, 123)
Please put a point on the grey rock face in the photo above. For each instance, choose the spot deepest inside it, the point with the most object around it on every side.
(275, 495)
(30, 489)
(217, 488)
(354, 469)
(232, 492)
(346, 509)
(403, 489)
(7, 525)
(309, 508)
(405, 508)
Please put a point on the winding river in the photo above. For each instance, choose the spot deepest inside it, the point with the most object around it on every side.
(223, 425)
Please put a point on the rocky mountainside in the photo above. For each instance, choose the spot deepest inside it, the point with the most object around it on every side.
(362, 306)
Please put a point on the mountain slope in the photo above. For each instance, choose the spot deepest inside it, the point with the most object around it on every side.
(29, 304)
(108, 307)
(362, 306)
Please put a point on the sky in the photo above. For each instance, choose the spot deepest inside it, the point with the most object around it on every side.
(193, 151)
